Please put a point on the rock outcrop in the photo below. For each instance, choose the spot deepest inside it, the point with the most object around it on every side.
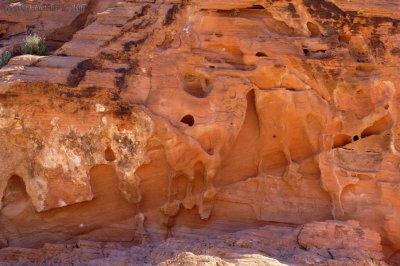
(318, 243)
(153, 119)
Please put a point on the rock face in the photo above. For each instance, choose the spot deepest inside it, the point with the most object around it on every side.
(181, 119)
(318, 243)
(55, 20)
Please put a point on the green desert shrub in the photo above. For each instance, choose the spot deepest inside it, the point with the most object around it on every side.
(5, 57)
(33, 44)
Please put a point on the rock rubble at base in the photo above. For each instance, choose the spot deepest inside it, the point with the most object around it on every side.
(319, 243)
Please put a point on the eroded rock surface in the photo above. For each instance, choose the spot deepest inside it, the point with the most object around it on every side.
(318, 243)
(174, 118)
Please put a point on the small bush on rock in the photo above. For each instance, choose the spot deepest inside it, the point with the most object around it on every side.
(33, 44)
(5, 57)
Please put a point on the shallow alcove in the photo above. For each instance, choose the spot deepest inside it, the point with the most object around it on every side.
(314, 29)
(306, 52)
(196, 86)
(244, 155)
(257, 7)
(109, 154)
(15, 200)
(261, 54)
(378, 127)
(188, 120)
(341, 140)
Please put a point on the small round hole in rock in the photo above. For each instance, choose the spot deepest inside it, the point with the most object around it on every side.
(261, 54)
(188, 120)
(109, 155)
(356, 138)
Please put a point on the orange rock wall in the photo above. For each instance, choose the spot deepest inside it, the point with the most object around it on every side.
(215, 116)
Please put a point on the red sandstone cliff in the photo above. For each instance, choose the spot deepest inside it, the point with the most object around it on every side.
(247, 132)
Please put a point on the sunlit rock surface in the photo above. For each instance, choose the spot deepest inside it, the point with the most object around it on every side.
(189, 119)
